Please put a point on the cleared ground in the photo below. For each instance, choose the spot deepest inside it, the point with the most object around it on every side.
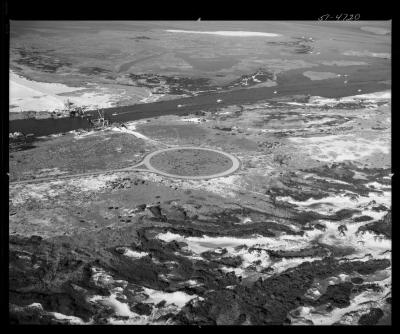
(192, 162)
(73, 154)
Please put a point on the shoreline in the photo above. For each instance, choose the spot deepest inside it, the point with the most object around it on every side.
(48, 126)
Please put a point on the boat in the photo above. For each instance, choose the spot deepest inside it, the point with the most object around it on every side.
(100, 122)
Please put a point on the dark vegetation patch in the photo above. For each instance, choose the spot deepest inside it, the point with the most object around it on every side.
(223, 128)
(39, 60)
(366, 287)
(45, 274)
(175, 85)
(348, 105)
(362, 219)
(248, 80)
(298, 45)
(343, 214)
(269, 301)
(178, 85)
(315, 251)
(301, 189)
(372, 317)
(142, 309)
(336, 251)
(357, 280)
(57, 272)
(222, 223)
(92, 70)
(21, 143)
(140, 38)
(336, 171)
(337, 295)
(346, 172)
(382, 226)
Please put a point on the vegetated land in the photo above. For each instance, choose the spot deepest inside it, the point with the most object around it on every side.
(295, 229)
(72, 154)
(124, 63)
(300, 234)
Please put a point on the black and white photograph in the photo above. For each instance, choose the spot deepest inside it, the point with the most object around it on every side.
(200, 172)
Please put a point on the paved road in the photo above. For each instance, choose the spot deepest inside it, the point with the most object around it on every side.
(235, 164)
(145, 166)
(62, 177)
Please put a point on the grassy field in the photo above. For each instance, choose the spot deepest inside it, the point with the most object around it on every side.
(190, 162)
(75, 154)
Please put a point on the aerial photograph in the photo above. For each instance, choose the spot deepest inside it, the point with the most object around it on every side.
(200, 172)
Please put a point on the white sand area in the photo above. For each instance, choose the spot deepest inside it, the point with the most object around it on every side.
(28, 95)
(228, 33)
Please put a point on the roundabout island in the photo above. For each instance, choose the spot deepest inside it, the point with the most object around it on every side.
(190, 163)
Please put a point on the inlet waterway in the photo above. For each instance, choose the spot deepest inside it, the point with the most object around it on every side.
(290, 83)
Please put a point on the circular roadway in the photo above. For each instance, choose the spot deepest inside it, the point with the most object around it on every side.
(234, 166)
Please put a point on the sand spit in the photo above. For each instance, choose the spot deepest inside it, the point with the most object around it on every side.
(343, 63)
(319, 75)
(366, 53)
(227, 33)
(371, 99)
(376, 30)
(28, 95)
